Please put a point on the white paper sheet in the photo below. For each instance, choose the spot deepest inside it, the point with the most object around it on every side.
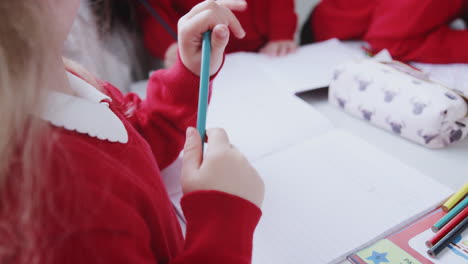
(312, 66)
(171, 177)
(258, 118)
(454, 76)
(328, 197)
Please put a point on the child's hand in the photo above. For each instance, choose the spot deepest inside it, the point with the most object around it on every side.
(208, 15)
(170, 57)
(224, 168)
(279, 48)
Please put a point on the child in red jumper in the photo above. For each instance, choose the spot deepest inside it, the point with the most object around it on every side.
(270, 26)
(80, 168)
(412, 30)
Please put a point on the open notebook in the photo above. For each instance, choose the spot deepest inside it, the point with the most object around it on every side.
(310, 67)
(334, 194)
(258, 116)
(328, 193)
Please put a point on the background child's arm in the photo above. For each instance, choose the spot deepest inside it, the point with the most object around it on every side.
(342, 19)
(418, 30)
(282, 28)
(283, 19)
(443, 45)
(157, 39)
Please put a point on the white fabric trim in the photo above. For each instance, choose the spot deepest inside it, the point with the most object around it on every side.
(85, 113)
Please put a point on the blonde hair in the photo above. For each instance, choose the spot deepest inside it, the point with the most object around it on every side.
(22, 86)
(25, 154)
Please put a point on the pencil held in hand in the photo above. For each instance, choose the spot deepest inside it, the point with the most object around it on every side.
(204, 85)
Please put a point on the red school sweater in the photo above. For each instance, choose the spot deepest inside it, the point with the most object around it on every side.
(412, 30)
(106, 202)
(263, 21)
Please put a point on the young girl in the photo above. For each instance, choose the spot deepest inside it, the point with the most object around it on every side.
(412, 30)
(79, 171)
(270, 27)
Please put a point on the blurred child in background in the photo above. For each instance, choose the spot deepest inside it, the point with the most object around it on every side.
(412, 30)
(270, 26)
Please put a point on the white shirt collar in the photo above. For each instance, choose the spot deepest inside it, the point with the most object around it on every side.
(86, 90)
(86, 113)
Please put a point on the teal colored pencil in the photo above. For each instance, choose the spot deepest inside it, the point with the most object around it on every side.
(204, 85)
(451, 214)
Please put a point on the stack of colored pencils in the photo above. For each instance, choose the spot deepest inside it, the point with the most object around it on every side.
(449, 227)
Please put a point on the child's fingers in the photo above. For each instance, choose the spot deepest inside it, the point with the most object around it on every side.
(287, 50)
(192, 158)
(277, 51)
(267, 49)
(282, 49)
(234, 5)
(209, 4)
(233, 23)
(219, 40)
(273, 50)
(218, 138)
(292, 47)
(207, 18)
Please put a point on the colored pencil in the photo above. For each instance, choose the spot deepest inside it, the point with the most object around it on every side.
(447, 228)
(204, 85)
(444, 242)
(450, 215)
(454, 199)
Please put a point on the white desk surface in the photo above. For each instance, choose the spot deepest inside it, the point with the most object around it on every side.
(448, 166)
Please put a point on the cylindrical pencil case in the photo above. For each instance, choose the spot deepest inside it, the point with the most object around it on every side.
(399, 99)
